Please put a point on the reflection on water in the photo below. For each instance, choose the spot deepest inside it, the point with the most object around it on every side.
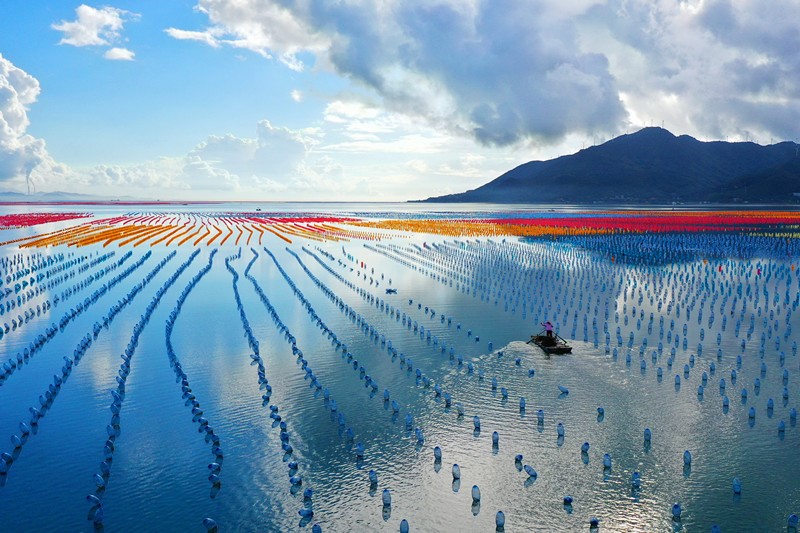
(627, 321)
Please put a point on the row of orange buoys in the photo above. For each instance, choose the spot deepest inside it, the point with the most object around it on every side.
(192, 230)
(776, 223)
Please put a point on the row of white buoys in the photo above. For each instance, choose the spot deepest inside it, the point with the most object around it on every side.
(7, 368)
(118, 394)
(48, 397)
(392, 351)
(187, 394)
(456, 472)
(295, 479)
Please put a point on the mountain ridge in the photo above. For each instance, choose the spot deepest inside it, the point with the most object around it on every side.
(651, 166)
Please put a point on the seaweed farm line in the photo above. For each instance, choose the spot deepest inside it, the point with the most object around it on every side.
(215, 368)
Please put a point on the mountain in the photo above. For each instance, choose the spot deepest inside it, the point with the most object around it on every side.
(651, 166)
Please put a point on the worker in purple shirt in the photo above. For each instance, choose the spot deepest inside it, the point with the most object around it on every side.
(548, 328)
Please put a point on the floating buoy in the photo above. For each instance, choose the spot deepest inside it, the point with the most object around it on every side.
(676, 511)
(476, 493)
(500, 520)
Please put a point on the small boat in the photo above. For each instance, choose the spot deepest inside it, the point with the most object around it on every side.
(551, 345)
(391, 291)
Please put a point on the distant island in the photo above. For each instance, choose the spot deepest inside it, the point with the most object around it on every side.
(651, 166)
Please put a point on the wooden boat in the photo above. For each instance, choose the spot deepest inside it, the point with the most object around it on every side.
(551, 345)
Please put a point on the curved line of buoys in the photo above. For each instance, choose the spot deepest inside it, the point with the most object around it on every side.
(48, 397)
(188, 395)
(295, 479)
(69, 316)
(101, 479)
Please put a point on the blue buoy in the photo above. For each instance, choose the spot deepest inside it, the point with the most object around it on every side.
(606, 461)
(676, 511)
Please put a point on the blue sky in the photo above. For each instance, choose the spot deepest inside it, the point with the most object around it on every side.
(367, 100)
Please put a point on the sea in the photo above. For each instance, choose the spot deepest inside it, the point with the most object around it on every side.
(279, 386)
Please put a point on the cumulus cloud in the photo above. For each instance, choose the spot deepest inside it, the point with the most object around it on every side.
(20, 152)
(275, 153)
(97, 27)
(542, 70)
(119, 54)
(498, 72)
(710, 68)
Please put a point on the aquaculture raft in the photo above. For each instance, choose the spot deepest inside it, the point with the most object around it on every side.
(551, 345)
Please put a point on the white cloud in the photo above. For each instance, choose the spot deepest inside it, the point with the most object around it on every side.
(709, 68)
(498, 72)
(20, 152)
(264, 27)
(296, 95)
(209, 37)
(93, 27)
(540, 71)
(119, 54)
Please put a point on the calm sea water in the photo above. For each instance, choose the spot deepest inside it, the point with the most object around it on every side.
(159, 474)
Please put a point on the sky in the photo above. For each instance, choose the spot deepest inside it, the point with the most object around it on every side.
(370, 100)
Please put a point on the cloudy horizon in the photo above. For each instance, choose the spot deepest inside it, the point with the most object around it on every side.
(363, 100)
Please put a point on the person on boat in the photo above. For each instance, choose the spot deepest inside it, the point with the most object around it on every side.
(548, 329)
